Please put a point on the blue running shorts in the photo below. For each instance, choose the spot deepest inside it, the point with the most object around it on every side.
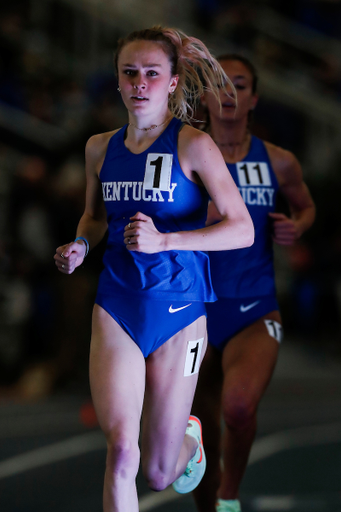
(150, 323)
(226, 317)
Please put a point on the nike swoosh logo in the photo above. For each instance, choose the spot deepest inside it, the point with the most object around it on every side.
(243, 309)
(171, 310)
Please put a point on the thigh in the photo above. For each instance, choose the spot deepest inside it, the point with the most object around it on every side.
(172, 373)
(117, 376)
(249, 360)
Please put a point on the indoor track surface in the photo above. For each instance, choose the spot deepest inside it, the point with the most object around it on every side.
(51, 462)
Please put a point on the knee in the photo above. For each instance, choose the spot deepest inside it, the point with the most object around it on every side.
(157, 477)
(123, 456)
(239, 411)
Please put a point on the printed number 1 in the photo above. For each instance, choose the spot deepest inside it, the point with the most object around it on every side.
(157, 175)
(192, 362)
(195, 352)
(244, 168)
(257, 167)
(274, 329)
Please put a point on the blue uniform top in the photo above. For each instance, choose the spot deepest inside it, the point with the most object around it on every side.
(249, 272)
(153, 183)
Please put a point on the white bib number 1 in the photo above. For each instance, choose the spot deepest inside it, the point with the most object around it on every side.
(158, 171)
(193, 355)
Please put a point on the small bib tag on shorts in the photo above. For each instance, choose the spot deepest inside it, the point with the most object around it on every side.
(274, 329)
(192, 363)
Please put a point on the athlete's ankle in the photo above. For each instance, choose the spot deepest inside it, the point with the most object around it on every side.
(228, 505)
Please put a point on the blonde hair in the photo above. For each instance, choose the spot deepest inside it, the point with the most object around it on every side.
(198, 70)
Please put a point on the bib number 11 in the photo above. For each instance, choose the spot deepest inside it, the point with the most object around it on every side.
(253, 174)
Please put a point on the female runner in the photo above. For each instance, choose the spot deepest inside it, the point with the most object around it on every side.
(244, 325)
(148, 184)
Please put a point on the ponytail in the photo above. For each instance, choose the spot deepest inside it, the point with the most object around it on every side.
(198, 70)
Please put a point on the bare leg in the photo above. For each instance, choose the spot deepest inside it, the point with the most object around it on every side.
(249, 360)
(117, 378)
(207, 406)
(168, 401)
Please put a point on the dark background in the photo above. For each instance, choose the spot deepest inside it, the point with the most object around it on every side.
(57, 88)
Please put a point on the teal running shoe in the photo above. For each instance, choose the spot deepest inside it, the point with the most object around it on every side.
(196, 466)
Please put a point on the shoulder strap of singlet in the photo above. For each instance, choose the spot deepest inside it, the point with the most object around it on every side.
(257, 149)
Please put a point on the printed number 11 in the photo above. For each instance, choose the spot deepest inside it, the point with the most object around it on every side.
(247, 177)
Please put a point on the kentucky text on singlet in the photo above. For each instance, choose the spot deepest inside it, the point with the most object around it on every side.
(153, 183)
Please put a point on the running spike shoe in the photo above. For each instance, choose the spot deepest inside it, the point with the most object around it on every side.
(196, 466)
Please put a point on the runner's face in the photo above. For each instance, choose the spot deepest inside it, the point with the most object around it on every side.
(242, 79)
(145, 79)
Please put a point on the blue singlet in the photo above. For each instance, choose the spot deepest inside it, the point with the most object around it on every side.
(153, 183)
(246, 275)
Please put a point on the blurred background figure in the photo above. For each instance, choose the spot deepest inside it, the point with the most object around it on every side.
(244, 325)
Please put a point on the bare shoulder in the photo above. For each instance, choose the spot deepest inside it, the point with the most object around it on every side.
(191, 138)
(96, 148)
(284, 163)
(199, 157)
(195, 146)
